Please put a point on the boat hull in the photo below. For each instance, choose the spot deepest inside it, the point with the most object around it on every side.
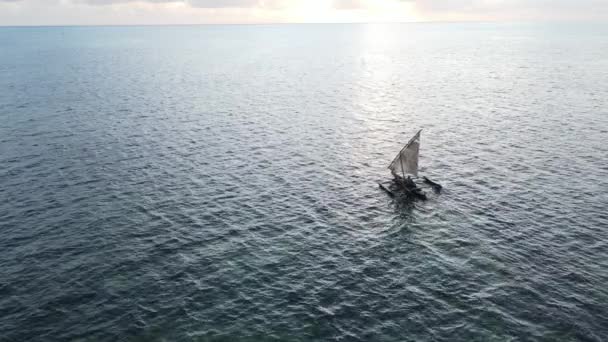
(399, 189)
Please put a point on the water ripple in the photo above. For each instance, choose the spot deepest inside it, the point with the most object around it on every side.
(219, 183)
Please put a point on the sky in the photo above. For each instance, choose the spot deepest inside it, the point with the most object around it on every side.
(163, 12)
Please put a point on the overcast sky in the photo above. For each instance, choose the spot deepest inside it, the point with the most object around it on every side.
(135, 12)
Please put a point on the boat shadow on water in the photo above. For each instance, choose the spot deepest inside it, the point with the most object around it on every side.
(407, 210)
(400, 192)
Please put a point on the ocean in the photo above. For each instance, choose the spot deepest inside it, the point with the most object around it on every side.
(219, 183)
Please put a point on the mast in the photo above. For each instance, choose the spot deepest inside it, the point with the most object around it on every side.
(402, 169)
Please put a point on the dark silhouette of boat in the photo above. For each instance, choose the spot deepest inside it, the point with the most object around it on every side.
(404, 169)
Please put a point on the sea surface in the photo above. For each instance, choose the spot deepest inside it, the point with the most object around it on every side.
(219, 183)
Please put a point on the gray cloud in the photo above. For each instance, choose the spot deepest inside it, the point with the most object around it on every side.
(196, 3)
(491, 5)
(193, 3)
(427, 5)
(53, 11)
(235, 3)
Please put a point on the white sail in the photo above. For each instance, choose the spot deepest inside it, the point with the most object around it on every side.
(406, 162)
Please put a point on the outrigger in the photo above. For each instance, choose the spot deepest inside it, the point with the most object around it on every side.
(403, 167)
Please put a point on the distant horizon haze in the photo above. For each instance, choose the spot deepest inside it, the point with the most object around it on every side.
(200, 12)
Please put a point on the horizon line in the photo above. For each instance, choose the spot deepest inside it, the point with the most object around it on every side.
(307, 23)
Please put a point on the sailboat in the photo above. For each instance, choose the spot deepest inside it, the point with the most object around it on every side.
(404, 169)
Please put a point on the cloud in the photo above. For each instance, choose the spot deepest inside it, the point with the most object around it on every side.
(192, 3)
(339, 4)
(236, 3)
(348, 4)
(99, 12)
(427, 5)
(513, 9)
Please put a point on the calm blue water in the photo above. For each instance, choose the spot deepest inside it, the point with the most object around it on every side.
(219, 183)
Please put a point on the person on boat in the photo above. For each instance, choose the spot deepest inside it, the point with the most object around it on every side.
(409, 183)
